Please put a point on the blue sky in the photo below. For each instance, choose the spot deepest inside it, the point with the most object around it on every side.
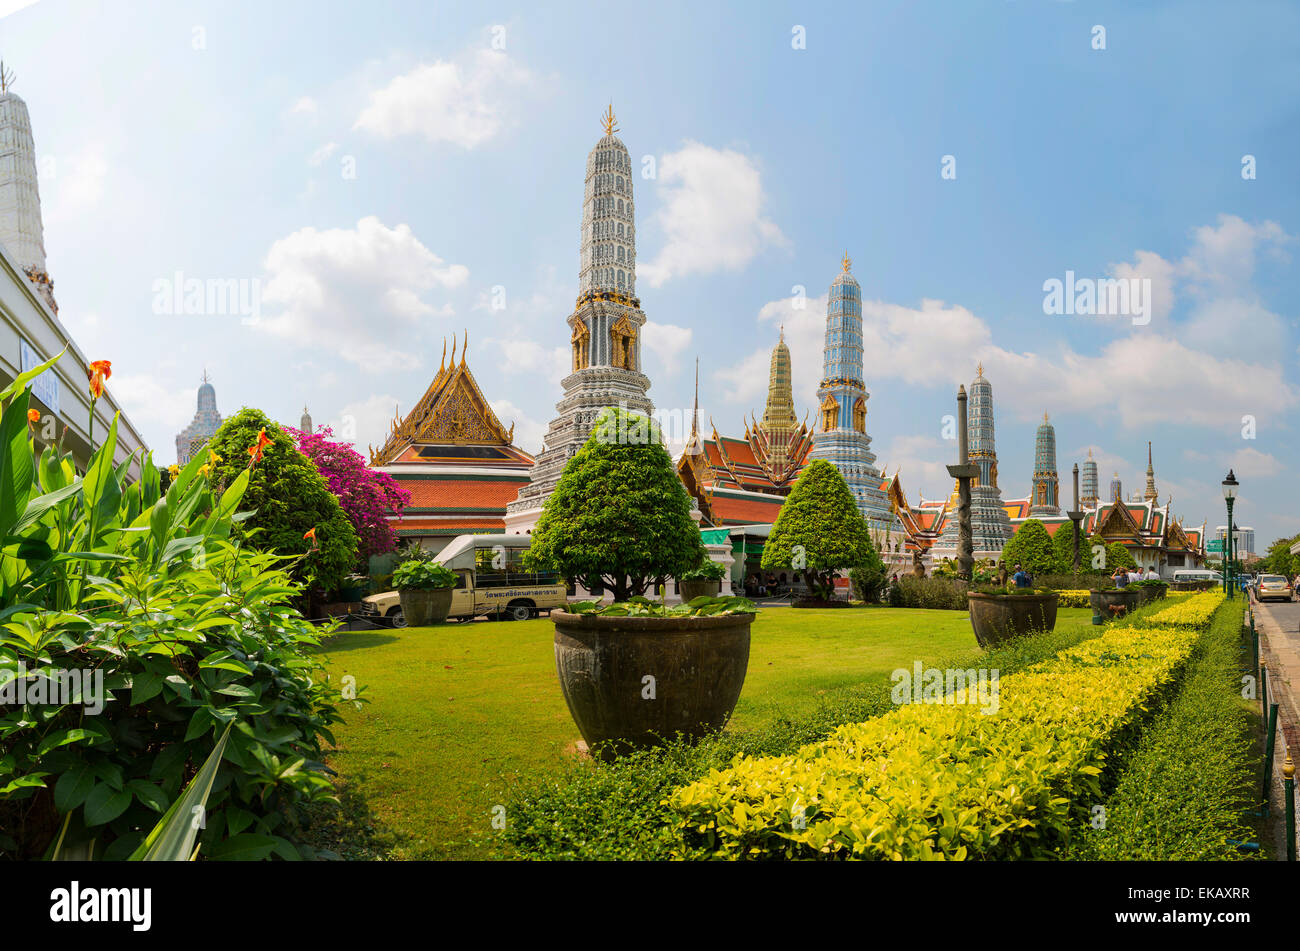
(379, 170)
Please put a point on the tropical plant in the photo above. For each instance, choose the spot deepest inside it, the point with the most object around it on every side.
(135, 631)
(869, 575)
(293, 510)
(368, 497)
(819, 530)
(638, 606)
(422, 576)
(1117, 556)
(619, 516)
(706, 570)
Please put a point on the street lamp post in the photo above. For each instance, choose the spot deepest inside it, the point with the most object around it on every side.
(1229, 496)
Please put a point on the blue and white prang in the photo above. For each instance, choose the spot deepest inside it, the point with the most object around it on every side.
(841, 432)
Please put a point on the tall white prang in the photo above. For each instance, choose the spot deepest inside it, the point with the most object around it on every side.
(21, 231)
(604, 328)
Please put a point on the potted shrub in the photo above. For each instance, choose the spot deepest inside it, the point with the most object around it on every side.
(424, 588)
(633, 673)
(999, 614)
(702, 581)
(1150, 590)
(819, 532)
(1110, 603)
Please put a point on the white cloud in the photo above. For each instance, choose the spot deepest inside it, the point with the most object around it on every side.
(74, 183)
(305, 106)
(148, 402)
(321, 154)
(1225, 254)
(711, 214)
(529, 432)
(357, 291)
(363, 422)
(529, 356)
(463, 102)
(920, 462)
(1161, 273)
(1253, 464)
(666, 342)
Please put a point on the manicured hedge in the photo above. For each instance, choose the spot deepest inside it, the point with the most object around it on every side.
(619, 810)
(945, 780)
(1187, 787)
(1196, 611)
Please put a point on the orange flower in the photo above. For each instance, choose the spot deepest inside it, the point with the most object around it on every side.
(33, 417)
(256, 450)
(99, 371)
(311, 533)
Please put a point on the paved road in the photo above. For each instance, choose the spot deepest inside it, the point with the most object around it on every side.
(1279, 626)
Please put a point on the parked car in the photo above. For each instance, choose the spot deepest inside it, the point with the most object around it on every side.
(490, 581)
(1274, 588)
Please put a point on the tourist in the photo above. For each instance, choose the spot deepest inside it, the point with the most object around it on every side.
(1120, 577)
(1151, 574)
(1134, 575)
(1022, 578)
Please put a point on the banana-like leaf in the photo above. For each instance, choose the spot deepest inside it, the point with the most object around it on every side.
(20, 382)
(173, 838)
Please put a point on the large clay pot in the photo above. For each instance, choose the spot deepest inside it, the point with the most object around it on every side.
(999, 617)
(424, 606)
(698, 665)
(690, 590)
(1112, 603)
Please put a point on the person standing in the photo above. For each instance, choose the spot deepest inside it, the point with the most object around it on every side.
(1120, 577)
(1022, 578)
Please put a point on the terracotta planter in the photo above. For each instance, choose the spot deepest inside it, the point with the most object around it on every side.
(999, 617)
(422, 607)
(690, 590)
(1114, 603)
(698, 665)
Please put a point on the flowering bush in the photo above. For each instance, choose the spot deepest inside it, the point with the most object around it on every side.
(368, 497)
(1194, 612)
(1073, 599)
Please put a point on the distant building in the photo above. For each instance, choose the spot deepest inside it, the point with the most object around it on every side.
(1243, 538)
(206, 422)
(304, 424)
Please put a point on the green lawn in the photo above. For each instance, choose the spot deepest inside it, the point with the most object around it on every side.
(456, 712)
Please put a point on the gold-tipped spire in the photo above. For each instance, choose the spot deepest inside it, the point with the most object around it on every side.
(608, 120)
(464, 345)
(442, 364)
(847, 262)
(1044, 417)
(979, 371)
(6, 78)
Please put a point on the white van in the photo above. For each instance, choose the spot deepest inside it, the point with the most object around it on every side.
(1198, 574)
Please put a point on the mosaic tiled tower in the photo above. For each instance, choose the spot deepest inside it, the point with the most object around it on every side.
(605, 326)
(1046, 495)
(1116, 489)
(780, 435)
(841, 430)
(21, 231)
(1088, 496)
(990, 524)
(206, 422)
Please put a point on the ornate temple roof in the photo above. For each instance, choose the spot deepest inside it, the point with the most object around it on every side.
(447, 423)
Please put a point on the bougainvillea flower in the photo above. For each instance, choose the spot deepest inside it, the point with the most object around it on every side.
(257, 448)
(99, 371)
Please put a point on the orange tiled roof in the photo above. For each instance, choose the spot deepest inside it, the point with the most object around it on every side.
(460, 493)
(731, 511)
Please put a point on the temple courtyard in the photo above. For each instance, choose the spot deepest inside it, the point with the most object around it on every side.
(458, 714)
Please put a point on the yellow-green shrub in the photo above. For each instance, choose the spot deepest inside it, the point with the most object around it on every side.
(945, 781)
(1196, 611)
(1073, 599)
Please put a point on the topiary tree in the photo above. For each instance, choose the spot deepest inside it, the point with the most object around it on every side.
(869, 576)
(819, 529)
(1063, 544)
(1031, 547)
(1117, 556)
(619, 516)
(294, 511)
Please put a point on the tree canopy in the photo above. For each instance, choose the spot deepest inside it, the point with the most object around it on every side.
(1031, 547)
(819, 530)
(289, 499)
(619, 516)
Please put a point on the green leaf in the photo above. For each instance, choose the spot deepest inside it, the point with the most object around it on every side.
(104, 804)
(172, 839)
(73, 787)
(15, 464)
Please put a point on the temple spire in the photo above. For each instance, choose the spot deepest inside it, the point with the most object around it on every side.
(1150, 494)
(608, 121)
